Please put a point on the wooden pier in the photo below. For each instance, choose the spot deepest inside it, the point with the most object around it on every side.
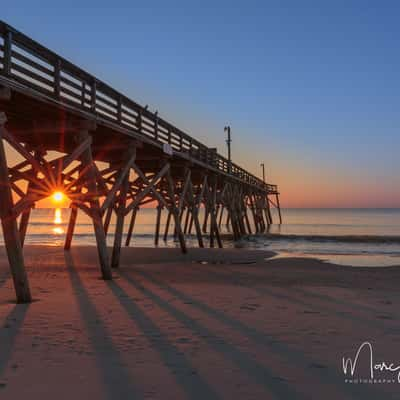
(108, 154)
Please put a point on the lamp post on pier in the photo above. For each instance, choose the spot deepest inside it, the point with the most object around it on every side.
(262, 165)
(228, 142)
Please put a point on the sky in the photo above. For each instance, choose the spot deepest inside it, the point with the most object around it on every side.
(310, 88)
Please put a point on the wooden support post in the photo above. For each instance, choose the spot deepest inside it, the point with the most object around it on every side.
(213, 219)
(260, 214)
(107, 218)
(90, 176)
(23, 224)
(10, 230)
(217, 212)
(279, 208)
(268, 211)
(194, 207)
(240, 206)
(167, 223)
(205, 221)
(228, 221)
(180, 220)
(71, 226)
(233, 217)
(175, 214)
(247, 220)
(158, 220)
(119, 227)
(253, 212)
(221, 214)
(190, 226)
(131, 226)
(188, 214)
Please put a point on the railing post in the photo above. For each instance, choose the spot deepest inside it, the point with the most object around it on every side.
(169, 136)
(93, 96)
(7, 52)
(119, 109)
(57, 79)
(190, 146)
(83, 98)
(139, 121)
(156, 128)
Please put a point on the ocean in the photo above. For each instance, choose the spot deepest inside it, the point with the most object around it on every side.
(357, 237)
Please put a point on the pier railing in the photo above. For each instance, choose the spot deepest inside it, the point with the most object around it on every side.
(32, 65)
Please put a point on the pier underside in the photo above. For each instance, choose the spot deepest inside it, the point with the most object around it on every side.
(107, 154)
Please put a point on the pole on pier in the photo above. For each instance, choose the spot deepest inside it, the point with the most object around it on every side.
(158, 220)
(131, 226)
(23, 224)
(279, 208)
(221, 214)
(228, 143)
(262, 165)
(89, 166)
(246, 217)
(205, 221)
(195, 205)
(10, 230)
(71, 226)
(268, 211)
(214, 232)
(175, 211)
(119, 226)
(167, 223)
(107, 219)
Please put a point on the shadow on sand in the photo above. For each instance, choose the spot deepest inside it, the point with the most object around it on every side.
(173, 358)
(9, 332)
(254, 370)
(271, 344)
(115, 377)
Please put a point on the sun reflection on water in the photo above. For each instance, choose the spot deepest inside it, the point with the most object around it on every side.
(58, 230)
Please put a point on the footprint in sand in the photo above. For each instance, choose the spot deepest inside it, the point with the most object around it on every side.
(249, 307)
(384, 317)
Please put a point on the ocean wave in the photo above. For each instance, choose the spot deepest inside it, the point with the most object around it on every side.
(335, 238)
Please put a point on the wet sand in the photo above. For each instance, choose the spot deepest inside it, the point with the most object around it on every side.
(213, 324)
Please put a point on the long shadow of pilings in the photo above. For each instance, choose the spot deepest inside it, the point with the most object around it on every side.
(336, 301)
(116, 379)
(3, 278)
(293, 356)
(255, 370)
(194, 386)
(9, 332)
(329, 305)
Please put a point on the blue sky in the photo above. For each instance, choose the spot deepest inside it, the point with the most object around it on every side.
(310, 88)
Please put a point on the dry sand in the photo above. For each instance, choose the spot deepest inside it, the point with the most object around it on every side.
(214, 324)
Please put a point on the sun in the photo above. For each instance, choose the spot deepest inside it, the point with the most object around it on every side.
(57, 197)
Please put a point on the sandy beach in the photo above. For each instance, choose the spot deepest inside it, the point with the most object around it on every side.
(213, 324)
